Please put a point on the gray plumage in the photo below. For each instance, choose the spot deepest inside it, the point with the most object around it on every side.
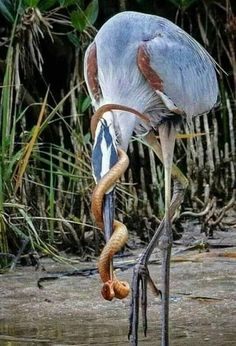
(187, 70)
(151, 65)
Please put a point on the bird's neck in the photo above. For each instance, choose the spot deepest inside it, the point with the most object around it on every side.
(124, 124)
(121, 125)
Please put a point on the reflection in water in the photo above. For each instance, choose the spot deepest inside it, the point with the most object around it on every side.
(93, 333)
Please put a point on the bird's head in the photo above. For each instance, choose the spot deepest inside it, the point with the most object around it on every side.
(104, 154)
(111, 132)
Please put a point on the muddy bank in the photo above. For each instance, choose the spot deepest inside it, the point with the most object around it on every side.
(70, 310)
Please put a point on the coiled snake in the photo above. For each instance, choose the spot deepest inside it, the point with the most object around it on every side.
(112, 287)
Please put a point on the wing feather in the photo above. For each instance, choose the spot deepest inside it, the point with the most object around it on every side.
(186, 69)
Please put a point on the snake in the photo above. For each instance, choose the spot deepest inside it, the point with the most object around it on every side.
(112, 287)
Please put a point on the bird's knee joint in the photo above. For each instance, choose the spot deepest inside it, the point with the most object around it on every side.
(140, 269)
(165, 242)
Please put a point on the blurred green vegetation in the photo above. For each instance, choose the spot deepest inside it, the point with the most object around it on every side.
(45, 141)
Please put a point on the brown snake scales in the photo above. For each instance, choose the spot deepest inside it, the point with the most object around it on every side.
(112, 287)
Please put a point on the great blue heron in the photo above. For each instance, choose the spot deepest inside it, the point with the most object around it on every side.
(144, 74)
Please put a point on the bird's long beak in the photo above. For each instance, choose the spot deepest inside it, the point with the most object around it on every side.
(104, 157)
(108, 214)
(108, 218)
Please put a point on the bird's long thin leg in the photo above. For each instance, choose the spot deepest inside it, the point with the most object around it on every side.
(167, 134)
(140, 270)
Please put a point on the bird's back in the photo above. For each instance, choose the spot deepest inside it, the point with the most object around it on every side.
(186, 69)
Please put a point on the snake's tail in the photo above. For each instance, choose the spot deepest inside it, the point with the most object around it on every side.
(112, 286)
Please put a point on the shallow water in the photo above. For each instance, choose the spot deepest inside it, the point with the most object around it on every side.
(70, 333)
(70, 311)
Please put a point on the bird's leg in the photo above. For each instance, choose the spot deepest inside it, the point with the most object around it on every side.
(141, 273)
(167, 134)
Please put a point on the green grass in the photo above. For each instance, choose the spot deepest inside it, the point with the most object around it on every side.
(45, 145)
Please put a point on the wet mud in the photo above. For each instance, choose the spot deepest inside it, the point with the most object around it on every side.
(71, 311)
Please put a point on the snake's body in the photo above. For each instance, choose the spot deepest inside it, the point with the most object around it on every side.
(112, 287)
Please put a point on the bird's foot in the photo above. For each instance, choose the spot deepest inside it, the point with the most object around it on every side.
(140, 275)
